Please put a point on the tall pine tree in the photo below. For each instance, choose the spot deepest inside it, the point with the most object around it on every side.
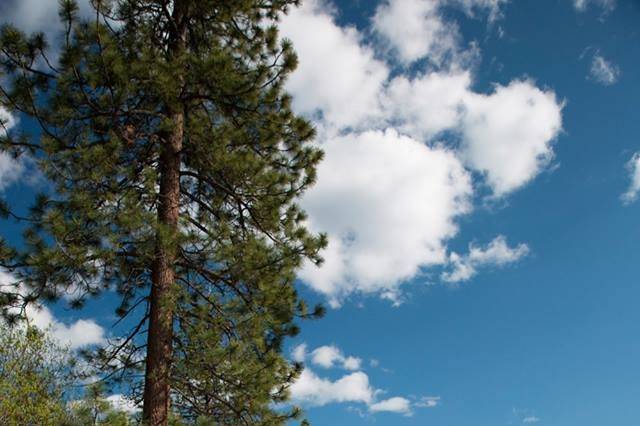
(175, 162)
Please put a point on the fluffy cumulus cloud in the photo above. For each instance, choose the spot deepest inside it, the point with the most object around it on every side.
(313, 390)
(633, 167)
(508, 134)
(396, 404)
(530, 420)
(496, 253)
(338, 76)
(390, 192)
(603, 71)
(354, 387)
(426, 105)
(415, 30)
(75, 335)
(387, 202)
(299, 353)
(328, 356)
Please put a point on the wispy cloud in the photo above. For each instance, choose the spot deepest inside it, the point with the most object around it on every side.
(603, 71)
(606, 5)
(524, 416)
(428, 401)
(633, 168)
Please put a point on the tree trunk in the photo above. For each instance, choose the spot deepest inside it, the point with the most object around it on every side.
(160, 335)
(159, 340)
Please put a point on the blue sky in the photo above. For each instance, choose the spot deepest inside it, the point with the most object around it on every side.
(479, 195)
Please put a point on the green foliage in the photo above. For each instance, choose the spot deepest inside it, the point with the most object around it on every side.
(106, 112)
(95, 410)
(38, 384)
(34, 373)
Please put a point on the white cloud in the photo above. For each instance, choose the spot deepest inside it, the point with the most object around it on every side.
(326, 356)
(428, 104)
(315, 391)
(354, 387)
(122, 403)
(379, 188)
(337, 74)
(415, 30)
(388, 203)
(351, 363)
(508, 135)
(524, 416)
(492, 7)
(496, 253)
(582, 5)
(330, 356)
(633, 166)
(428, 402)
(77, 334)
(396, 404)
(11, 170)
(299, 353)
(603, 71)
(7, 121)
(389, 195)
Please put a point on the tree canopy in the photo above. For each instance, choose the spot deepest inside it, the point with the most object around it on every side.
(175, 163)
(35, 372)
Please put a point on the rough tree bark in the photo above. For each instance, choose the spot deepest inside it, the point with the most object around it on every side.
(159, 341)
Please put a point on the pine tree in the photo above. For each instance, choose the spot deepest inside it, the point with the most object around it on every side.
(176, 163)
